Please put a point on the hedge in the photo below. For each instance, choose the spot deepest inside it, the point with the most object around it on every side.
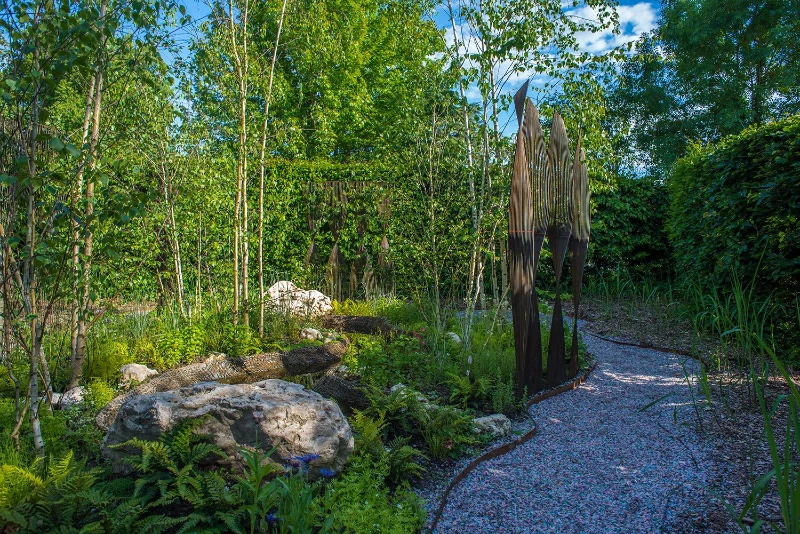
(735, 208)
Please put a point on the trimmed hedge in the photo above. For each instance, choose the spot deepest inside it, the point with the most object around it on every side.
(628, 228)
(735, 208)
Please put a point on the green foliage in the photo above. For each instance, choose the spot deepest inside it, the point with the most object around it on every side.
(785, 472)
(391, 362)
(711, 69)
(48, 495)
(466, 391)
(359, 501)
(98, 394)
(734, 213)
(258, 498)
(628, 228)
(172, 489)
(400, 458)
(350, 307)
(447, 431)
(178, 346)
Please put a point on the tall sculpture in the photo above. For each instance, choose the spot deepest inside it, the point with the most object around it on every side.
(549, 197)
(578, 243)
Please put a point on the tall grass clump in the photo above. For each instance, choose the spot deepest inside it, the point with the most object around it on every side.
(785, 473)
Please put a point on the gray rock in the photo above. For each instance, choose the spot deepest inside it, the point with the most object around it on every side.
(452, 336)
(311, 334)
(264, 415)
(72, 397)
(135, 373)
(495, 424)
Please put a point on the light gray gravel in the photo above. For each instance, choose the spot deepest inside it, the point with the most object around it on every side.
(602, 461)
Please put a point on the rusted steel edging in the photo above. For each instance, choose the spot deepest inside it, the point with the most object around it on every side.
(508, 447)
(647, 346)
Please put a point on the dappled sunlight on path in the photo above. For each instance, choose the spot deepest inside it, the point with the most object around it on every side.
(618, 454)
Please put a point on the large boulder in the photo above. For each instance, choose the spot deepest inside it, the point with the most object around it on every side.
(288, 298)
(264, 415)
(135, 373)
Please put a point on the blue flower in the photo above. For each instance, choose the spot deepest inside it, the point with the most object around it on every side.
(327, 473)
(271, 518)
(307, 458)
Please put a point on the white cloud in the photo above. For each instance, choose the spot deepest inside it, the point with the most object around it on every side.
(634, 20)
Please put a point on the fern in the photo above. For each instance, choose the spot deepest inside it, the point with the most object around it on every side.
(170, 479)
(42, 498)
(18, 484)
(466, 391)
(402, 460)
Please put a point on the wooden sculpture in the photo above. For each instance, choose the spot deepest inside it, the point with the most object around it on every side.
(527, 228)
(559, 228)
(549, 197)
(578, 243)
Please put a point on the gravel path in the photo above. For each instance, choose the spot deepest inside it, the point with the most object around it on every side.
(602, 461)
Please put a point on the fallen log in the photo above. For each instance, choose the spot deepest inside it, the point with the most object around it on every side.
(232, 370)
(360, 324)
(347, 392)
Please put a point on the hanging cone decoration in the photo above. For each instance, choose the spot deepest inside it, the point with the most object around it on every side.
(334, 274)
(385, 266)
(311, 220)
(313, 253)
(578, 242)
(368, 279)
(558, 233)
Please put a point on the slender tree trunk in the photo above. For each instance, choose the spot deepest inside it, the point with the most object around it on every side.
(174, 242)
(31, 289)
(28, 286)
(86, 297)
(240, 214)
(5, 316)
(76, 238)
(198, 297)
(261, 159)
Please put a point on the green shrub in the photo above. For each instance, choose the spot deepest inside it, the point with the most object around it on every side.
(98, 394)
(468, 391)
(447, 431)
(402, 359)
(629, 228)
(735, 209)
(400, 458)
(107, 353)
(48, 496)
